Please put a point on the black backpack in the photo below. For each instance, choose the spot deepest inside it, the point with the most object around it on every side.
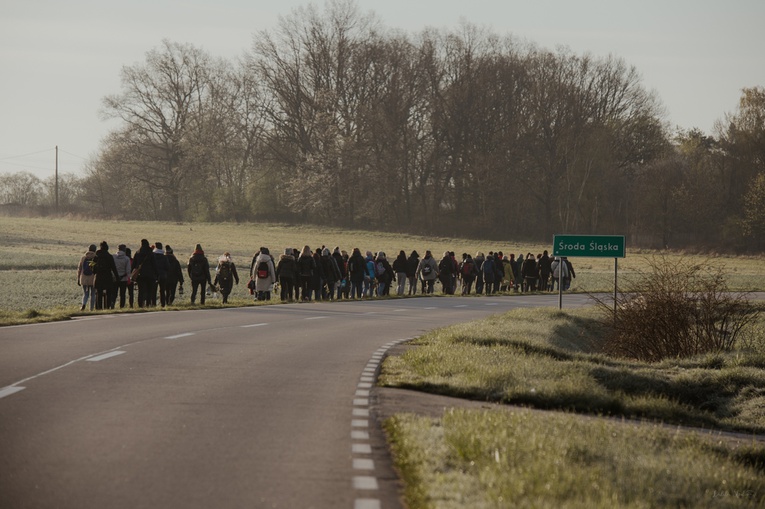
(197, 269)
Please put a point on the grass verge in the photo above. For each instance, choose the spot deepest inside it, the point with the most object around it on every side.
(543, 358)
(521, 458)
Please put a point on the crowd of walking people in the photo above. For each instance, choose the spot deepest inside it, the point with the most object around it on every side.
(155, 276)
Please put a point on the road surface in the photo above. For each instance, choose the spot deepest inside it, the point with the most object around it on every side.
(258, 407)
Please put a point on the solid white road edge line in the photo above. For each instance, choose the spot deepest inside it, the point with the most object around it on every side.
(363, 447)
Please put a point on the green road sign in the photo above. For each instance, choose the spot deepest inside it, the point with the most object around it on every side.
(591, 246)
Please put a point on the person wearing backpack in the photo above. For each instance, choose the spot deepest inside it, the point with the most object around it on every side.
(427, 271)
(124, 266)
(468, 273)
(264, 275)
(198, 270)
(383, 274)
(225, 275)
(86, 278)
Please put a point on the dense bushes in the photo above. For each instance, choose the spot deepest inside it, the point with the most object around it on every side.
(676, 309)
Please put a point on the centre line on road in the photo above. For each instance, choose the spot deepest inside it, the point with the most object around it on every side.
(316, 317)
(180, 335)
(7, 391)
(253, 325)
(105, 356)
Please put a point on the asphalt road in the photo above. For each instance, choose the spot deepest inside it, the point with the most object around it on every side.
(259, 407)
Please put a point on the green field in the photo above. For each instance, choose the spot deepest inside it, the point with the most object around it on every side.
(39, 256)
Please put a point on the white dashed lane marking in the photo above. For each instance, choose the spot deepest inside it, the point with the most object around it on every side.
(7, 391)
(253, 325)
(105, 356)
(185, 334)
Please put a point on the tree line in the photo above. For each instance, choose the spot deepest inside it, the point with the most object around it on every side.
(333, 119)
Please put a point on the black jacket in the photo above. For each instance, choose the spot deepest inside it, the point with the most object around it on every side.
(199, 268)
(144, 259)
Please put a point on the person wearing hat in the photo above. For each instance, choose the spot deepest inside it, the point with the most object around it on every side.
(199, 273)
(124, 266)
(86, 278)
(174, 276)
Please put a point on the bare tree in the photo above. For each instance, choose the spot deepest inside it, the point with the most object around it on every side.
(21, 188)
(160, 106)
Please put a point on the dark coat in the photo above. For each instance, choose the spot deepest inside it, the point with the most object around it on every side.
(163, 265)
(330, 269)
(411, 265)
(105, 269)
(287, 267)
(144, 259)
(198, 259)
(400, 264)
(175, 274)
(357, 267)
(306, 265)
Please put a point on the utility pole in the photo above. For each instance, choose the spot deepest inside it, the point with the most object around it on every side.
(56, 179)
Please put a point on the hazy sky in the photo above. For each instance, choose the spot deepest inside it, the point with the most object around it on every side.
(59, 58)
